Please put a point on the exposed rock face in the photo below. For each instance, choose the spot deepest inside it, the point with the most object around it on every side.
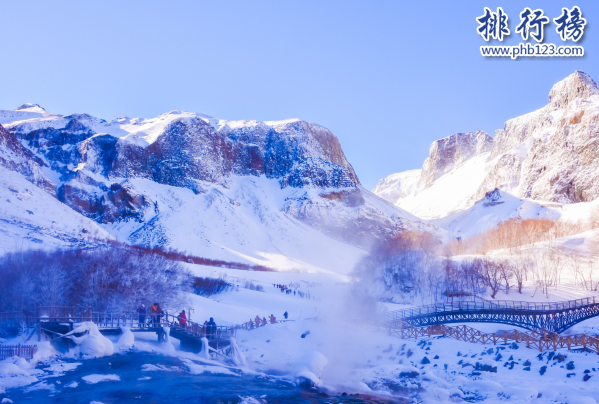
(109, 172)
(551, 154)
(182, 150)
(448, 153)
(16, 157)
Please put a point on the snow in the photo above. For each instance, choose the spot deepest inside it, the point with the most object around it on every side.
(126, 340)
(450, 193)
(485, 216)
(93, 344)
(31, 218)
(95, 378)
(197, 369)
(239, 222)
(396, 186)
(310, 367)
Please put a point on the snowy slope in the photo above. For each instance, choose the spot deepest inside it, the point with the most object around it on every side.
(274, 193)
(396, 186)
(31, 218)
(242, 222)
(485, 215)
(450, 193)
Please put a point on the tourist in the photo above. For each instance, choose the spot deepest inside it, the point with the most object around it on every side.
(273, 319)
(158, 314)
(286, 315)
(153, 314)
(257, 320)
(142, 315)
(182, 319)
(211, 328)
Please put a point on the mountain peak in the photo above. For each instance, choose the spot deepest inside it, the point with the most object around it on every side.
(577, 85)
(30, 108)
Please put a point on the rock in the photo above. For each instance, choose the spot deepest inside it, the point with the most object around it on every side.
(513, 345)
(410, 375)
(498, 357)
(527, 363)
(570, 374)
(570, 365)
(485, 367)
(527, 368)
(548, 154)
(543, 370)
(409, 353)
(561, 357)
(15, 157)
(586, 377)
(425, 361)
(449, 152)
(586, 371)
(436, 357)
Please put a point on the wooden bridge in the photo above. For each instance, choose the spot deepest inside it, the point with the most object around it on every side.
(58, 321)
(553, 317)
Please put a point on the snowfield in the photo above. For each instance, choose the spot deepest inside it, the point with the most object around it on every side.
(330, 343)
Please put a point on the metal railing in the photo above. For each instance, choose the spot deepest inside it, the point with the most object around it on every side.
(497, 305)
(199, 330)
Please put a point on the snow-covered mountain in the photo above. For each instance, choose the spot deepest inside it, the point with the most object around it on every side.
(277, 193)
(30, 214)
(547, 155)
(396, 186)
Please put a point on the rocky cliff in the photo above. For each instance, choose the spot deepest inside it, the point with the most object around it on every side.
(15, 157)
(135, 175)
(450, 152)
(549, 155)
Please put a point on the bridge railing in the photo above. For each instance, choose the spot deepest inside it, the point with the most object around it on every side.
(496, 305)
(199, 330)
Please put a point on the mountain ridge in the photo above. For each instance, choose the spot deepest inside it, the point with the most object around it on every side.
(547, 155)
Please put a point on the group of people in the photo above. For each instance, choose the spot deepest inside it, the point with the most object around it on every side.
(257, 322)
(208, 329)
(288, 290)
(155, 314)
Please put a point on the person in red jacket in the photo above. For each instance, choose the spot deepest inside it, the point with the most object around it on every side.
(257, 321)
(182, 319)
(273, 319)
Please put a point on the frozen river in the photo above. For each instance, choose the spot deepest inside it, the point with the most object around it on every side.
(150, 378)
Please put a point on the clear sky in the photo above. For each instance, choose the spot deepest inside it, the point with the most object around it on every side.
(387, 77)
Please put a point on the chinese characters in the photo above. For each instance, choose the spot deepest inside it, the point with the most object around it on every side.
(494, 25)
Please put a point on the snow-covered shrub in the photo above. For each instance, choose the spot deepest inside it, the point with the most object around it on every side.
(210, 286)
(252, 286)
(104, 279)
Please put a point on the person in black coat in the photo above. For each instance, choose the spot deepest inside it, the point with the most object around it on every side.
(211, 329)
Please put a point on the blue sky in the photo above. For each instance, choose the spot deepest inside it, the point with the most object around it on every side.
(387, 77)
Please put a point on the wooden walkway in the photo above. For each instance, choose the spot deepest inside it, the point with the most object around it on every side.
(541, 340)
(554, 317)
(59, 321)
